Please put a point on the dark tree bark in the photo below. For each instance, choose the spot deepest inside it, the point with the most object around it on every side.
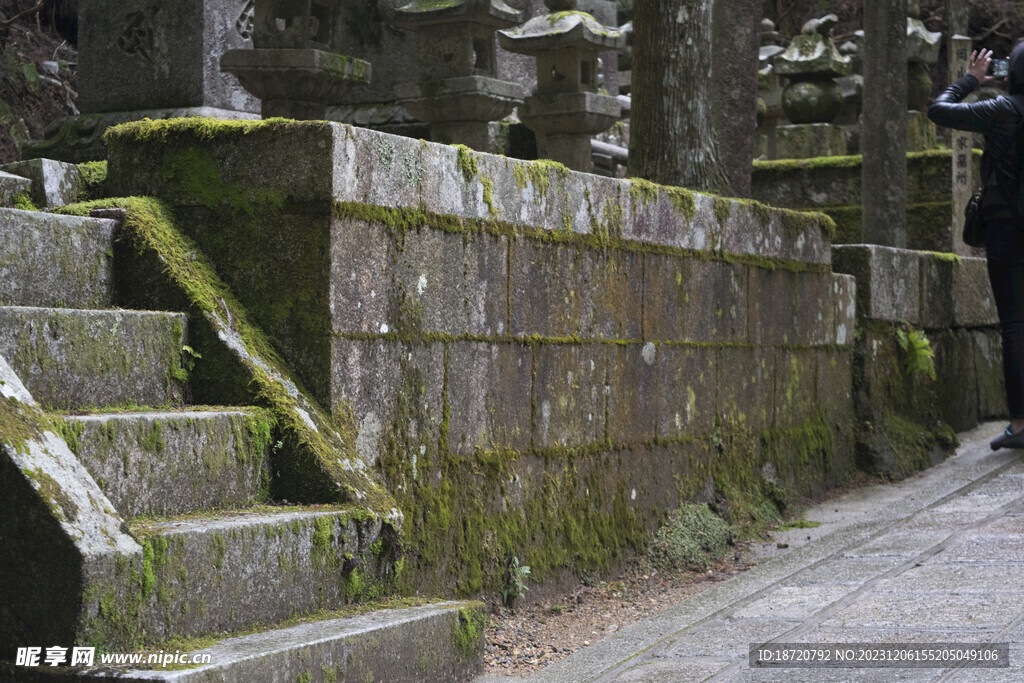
(673, 140)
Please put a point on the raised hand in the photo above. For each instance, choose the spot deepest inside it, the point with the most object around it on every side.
(978, 66)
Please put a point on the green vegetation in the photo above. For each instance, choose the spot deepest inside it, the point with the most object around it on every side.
(918, 357)
(515, 584)
(693, 538)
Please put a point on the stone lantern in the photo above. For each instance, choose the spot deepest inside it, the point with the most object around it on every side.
(813, 98)
(922, 50)
(294, 67)
(566, 109)
(460, 93)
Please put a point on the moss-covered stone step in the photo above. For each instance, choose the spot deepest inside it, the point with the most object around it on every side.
(50, 260)
(226, 572)
(12, 186)
(437, 642)
(75, 358)
(174, 462)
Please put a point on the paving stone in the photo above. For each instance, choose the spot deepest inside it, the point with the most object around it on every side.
(633, 380)
(999, 549)
(48, 260)
(730, 637)
(975, 503)
(694, 300)
(686, 397)
(569, 394)
(675, 670)
(888, 280)
(791, 602)
(70, 358)
(169, 463)
(900, 543)
(489, 388)
(54, 183)
(846, 571)
(891, 610)
(966, 578)
(395, 391)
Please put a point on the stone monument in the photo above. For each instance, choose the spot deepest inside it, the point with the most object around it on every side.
(812, 99)
(294, 67)
(922, 51)
(769, 91)
(566, 109)
(459, 93)
(144, 59)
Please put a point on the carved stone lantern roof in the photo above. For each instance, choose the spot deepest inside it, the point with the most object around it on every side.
(813, 53)
(922, 44)
(493, 13)
(560, 30)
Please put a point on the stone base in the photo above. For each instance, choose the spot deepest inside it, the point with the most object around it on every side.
(572, 150)
(806, 140)
(920, 132)
(75, 139)
(482, 136)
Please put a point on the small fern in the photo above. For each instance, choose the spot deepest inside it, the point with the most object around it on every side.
(918, 357)
(515, 586)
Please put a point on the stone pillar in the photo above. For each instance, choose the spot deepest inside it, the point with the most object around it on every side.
(736, 36)
(884, 135)
(922, 51)
(960, 143)
(769, 91)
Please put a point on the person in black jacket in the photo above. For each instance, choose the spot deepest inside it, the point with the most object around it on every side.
(1000, 119)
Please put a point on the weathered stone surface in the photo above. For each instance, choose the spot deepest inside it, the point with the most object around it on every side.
(694, 300)
(53, 183)
(632, 379)
(796, 387)
(569, 394)
(224, 573)
(746, 391)
(394, 392)
(169, 463)
(414, 643)
(973, 304)
(835, 385)
(489, 388)
(363, 291)
(687, 386)
(77, 358)
(810, 140)
(988, 366)
(135, 55)
(844, 287)
(937, 291)
(887, 280)
(48, 260)
(789, 308)
(11, 186)
(958, 390)
(921, 134)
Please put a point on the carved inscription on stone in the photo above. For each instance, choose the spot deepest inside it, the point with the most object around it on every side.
(139, 35)
(246, 20)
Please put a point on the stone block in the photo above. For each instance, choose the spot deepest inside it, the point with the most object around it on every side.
(844, 289)
(888, 280)
(376, 168)
(746, 388)
(569, 395)
(615, 279)
(686, 397)
(53, 183)
(957, 388)
(694, 300)
(789, 308)
(394, 392)
(489, 394)
(835, 385)
(76, 358)
(12, 185)
(937, 304)
(48, 260)
(172, 463)
(988, 366)
(809, 140)
(138, 55)
(973, 303)
(920, 132)
(633, 380)
(796, 387)
(363, 290)
(650, 477)
(548, 294)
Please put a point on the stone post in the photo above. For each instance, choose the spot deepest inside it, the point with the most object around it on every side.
(960, 143)
(884, 134)
(922, 51)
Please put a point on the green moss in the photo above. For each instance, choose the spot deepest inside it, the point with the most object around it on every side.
(20, 423)
(489, 195)
(693, 538)
(466, 161)
(23, 201)
(92, 179)
(468, 632)
(70, 431)
(723, 209)
(60, 503)
(153, 441)
(322, 553)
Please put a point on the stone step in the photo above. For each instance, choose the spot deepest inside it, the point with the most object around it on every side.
(74, 358)
(174, 462)
(439, 642)
(11, 186)
(226, 572)
(59, 261)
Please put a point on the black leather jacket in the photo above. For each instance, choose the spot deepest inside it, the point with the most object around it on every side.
(1000, 122)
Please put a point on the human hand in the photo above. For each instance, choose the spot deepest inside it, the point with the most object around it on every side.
(978, 66)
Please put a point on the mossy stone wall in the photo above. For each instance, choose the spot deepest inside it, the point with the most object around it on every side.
(540, 363)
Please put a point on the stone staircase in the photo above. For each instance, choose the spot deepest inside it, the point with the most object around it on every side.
(194, 488)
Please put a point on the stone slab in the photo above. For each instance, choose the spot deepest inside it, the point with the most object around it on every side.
(973, 303)
(71, 358)
(844, 287)
(796, 387)
(988, 368)
(687, 390)
(632, 380)
(746, 388)
(810, 140)
(694, 300)
(790, 308)
(569, 394)
(926, 610)
(489, 393)
(887, 280)
(54, 183)
(169, 463)
(937, 304)
(49, 260)
(12, 185)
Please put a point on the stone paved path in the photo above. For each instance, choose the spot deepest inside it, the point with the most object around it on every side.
(935, 558)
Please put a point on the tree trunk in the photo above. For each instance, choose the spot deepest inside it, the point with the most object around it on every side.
(673, 140)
